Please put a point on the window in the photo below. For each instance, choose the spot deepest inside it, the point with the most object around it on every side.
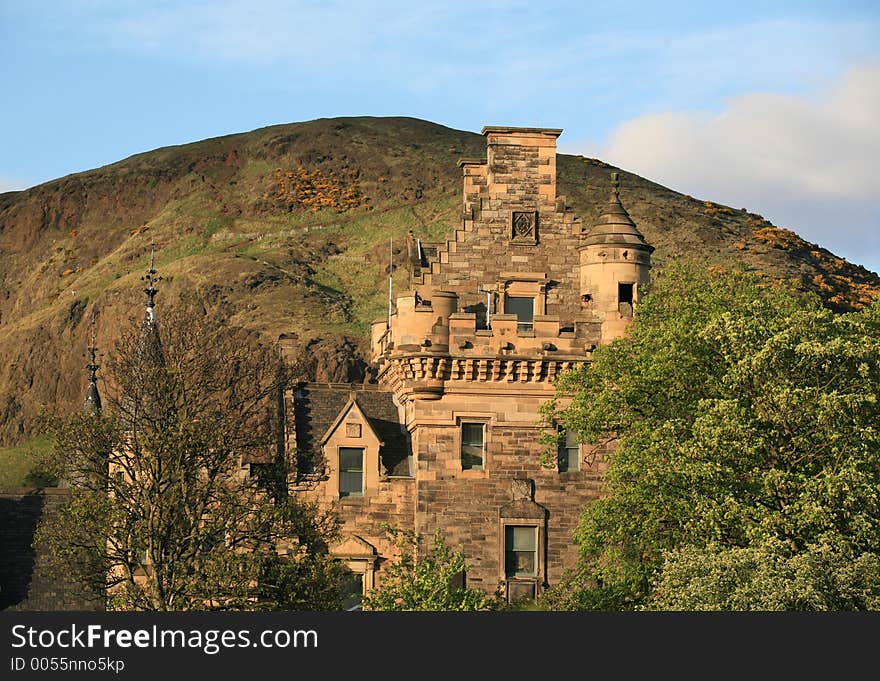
(524, 309)
(473, 446)
(351, 471)
(353, 591)
(520, 551)
(625, 299)
(569, 458)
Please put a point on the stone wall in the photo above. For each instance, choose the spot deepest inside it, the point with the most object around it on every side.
(26, 580)
(446, 368)
(466, 505)
(517, 179)
(392, 503)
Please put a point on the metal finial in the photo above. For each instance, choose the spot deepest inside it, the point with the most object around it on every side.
(615, 186)
(151, 279)
(92, 349)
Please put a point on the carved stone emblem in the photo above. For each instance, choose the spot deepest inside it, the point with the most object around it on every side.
(523, 489)
(525, 227)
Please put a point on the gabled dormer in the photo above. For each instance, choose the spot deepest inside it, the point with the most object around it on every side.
(351, 449)
(349, 438)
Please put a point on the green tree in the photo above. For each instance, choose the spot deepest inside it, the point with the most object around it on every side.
(164, 513)
(420, 579)
(746, 456)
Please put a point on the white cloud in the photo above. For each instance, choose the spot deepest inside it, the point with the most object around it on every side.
(811, 164)
(11, 185)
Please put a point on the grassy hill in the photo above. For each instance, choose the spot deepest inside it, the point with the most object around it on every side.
(285, 230)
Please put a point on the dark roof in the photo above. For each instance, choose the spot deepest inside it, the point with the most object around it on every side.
(149, 342)
(92, 401)
(318, 405)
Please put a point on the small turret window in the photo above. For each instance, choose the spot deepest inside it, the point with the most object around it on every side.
(625, 299)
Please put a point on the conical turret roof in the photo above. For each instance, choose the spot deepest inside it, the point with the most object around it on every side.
(615, 226)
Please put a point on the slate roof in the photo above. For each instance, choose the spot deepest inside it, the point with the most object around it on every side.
(615, 226)
(317, 405)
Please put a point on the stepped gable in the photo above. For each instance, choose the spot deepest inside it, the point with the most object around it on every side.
(317, 406)
(513, 222)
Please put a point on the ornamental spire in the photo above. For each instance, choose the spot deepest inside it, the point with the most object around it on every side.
(150, 343)
(92, 402)
(151, 280)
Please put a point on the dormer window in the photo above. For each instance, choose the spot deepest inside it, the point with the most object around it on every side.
(524, 309)
(525, 295)
(351, 471)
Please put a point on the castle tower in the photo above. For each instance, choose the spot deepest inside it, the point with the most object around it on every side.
(615, 263)
(450, 438)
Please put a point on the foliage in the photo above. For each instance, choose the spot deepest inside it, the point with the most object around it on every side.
(431, 580)
(745, 419)
(836, 281)
(314, 189)
(164, 514)
(19, 465)
(767, 576)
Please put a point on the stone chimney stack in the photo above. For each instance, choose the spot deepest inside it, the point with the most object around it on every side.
(521, 166)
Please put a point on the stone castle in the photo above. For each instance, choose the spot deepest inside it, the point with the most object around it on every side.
(449, 435)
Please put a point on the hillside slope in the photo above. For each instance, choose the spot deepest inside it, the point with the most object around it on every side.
(285, 230)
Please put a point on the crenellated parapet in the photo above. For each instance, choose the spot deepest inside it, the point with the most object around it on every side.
(431, 347)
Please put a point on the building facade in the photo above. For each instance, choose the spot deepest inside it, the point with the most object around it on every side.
(448, 436)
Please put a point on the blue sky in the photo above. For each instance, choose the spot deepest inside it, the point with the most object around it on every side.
(771, 106)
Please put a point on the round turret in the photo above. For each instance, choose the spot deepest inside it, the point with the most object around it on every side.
(615, 263)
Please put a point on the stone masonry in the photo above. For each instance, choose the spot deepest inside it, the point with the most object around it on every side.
(519, 294)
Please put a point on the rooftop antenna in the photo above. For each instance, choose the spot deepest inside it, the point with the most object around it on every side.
(92, 366)
(488, 291)
(390, 275)
(92, 334)
(409, 257)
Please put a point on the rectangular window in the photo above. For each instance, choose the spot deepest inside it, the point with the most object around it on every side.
(625, 299)
(569, 453)
(351, 472)
(521, 551)
(353, 591)
(473, 446)
(524, 309)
